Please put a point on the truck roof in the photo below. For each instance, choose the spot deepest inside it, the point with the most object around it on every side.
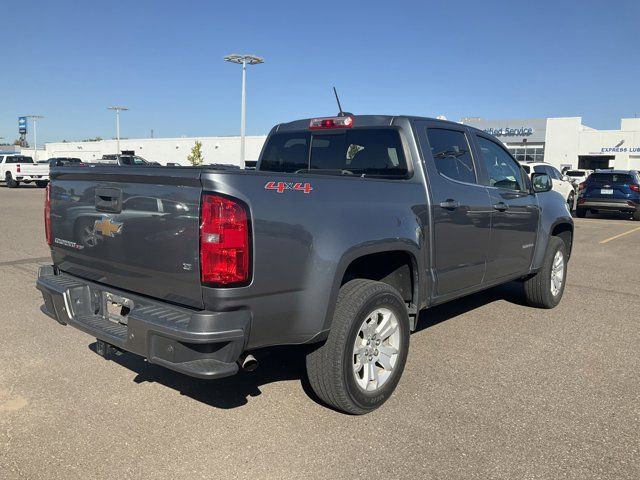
(365, 121)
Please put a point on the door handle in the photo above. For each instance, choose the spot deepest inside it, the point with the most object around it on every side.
(449, 204)
(501, 207)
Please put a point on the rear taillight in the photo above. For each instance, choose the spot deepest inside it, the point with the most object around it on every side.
(634, 187)
(582, 186)
(18, 168)
(47, 214)
(224, 241)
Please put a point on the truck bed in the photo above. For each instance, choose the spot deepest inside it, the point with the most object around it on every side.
(153, 247)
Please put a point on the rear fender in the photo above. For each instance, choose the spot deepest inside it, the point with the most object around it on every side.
(391, 245)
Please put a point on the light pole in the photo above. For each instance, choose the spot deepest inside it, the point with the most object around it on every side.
(118, 110)
(243, 60)
(35, 135)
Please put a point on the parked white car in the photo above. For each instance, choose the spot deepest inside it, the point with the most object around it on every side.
(578, 176)
(561, 183)
(15, 169)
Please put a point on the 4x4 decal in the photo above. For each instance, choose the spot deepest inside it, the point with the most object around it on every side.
(280, 187)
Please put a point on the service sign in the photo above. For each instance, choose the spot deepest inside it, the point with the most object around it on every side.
(22, 125)
(510, 132)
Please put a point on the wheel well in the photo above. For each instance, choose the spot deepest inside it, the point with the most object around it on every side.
(565, 232)
(395, 268)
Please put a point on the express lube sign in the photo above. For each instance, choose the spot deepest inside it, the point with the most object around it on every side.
(620, 150)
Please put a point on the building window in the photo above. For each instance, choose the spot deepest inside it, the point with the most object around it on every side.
(528, 154)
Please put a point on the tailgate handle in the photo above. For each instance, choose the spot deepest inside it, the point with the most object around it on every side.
(109, 199)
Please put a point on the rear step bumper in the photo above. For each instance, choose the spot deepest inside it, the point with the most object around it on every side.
(200, 344)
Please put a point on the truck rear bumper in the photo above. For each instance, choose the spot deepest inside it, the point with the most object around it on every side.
(32, 178)
(201, 344)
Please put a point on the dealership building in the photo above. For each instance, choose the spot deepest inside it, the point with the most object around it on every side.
(567, 142)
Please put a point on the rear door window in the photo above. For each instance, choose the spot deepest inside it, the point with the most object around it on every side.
(369, 152)
(451, 154)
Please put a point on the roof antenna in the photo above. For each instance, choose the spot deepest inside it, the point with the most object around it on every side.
(340, 113)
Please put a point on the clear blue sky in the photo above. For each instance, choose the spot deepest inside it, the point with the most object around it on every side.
(70, 60)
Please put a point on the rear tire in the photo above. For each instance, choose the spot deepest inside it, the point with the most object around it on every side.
(581, 212)
(545, 288)
(357, 369)
(11, 183)
(41, 183)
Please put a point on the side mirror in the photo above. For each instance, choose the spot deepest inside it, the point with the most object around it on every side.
(540, 182)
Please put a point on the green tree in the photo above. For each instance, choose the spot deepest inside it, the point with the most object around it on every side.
(16, 141)
(196, 158)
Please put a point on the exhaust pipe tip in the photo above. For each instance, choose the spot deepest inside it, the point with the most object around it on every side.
(248, 363)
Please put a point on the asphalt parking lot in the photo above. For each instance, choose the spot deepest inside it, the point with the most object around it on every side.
(492, 388)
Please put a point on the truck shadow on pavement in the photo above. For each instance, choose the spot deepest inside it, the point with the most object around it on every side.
(288, 363)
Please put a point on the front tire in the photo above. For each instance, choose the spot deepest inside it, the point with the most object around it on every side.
(571, 201)
(357, 369)
(545, 288)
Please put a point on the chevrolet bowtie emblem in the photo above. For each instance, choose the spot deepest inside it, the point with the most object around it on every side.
(107, 227)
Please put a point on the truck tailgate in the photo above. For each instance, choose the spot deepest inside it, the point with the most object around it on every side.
(35, 170)
(135, 228)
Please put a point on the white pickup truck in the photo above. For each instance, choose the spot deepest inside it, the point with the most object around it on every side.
(15, 169)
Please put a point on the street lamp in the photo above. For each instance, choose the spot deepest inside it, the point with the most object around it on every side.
(35, 135)
(118, 110)
(243, 60)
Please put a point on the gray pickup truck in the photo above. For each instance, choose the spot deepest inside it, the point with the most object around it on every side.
(348, 227)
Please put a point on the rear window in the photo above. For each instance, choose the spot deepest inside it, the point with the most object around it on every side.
(526, 168)
(19, 159)
(574, 173)
(611, 178)
(371, 152)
